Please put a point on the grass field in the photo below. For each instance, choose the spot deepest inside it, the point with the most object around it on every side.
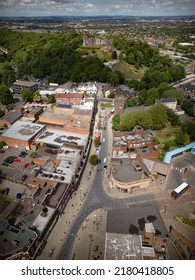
(129, 71)
(166, 134)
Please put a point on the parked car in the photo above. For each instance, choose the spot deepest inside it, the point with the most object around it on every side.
(23, 154)
(2, 151)
(24, 177)
(26, 165)
(5, 164)
(17, 160)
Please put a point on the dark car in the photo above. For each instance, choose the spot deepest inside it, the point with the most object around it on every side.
(2, 151)
(23, 154)
(24, 177)
(5, 164)
(9, 161)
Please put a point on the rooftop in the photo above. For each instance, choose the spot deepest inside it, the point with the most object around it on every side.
(129, 171)
(59, 138)
(12, 116)
(22, 130)
(126, 247)
(24, 83)
(14, 240)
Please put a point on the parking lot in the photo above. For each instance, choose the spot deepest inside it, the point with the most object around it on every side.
(14, 170)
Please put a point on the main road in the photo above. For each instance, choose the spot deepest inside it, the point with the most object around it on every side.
(98, 199)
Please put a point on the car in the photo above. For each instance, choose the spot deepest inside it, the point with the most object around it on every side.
(97, 151)
(24, 177)
(5, 164)
(2, 151)
(17, 160)
(22, 154)
(104, 140)
(9, 161)
(26, 165)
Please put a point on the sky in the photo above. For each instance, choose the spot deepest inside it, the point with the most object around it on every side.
(96, 7)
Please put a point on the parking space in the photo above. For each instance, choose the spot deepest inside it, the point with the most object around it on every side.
(13, 166)
(15, 188)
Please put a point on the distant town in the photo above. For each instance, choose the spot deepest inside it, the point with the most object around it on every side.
(97, 138)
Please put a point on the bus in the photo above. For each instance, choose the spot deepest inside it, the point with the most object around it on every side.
(179, 190)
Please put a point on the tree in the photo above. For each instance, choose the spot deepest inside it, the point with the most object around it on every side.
(180, 138)
(1, 113)
(93, 159)
(172, 117)
(114, 54)
(114, 79)
(51, 98)
(36, 97)
(187, 106)
(97, 142)
(127, 121)
(159, 116)
(5, 95)
(27, 95)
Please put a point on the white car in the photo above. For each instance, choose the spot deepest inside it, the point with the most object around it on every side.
(104, 140)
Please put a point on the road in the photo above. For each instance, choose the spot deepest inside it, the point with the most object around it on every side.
(98, 199)
(181, 170)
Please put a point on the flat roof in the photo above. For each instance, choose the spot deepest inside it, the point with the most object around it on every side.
(126, 171)
(23, 130)
(126, 247)
(24, 83)
(50, 114)
(59, 138)
(132, 220)
(13, 240)
(177, 151)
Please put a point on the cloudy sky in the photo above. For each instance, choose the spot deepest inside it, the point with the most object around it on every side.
(96, 7)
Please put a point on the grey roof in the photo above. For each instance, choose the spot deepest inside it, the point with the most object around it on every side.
(126, 171)
(13, 240)
(165, 100)
(126, 247)
(12, 116)
(22, 130)
(24, 83)
(120, 220)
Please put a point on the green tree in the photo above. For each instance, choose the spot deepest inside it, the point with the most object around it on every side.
(116, 122)
(180, 138)
(5, 95)
(93, 160)
(36, 97)
(1, 113)
(114, 79)
(97, 142)
(172, 117)
(27, 95)
(187, 106)
(127, 121)
(159, 116)
(51, 98)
